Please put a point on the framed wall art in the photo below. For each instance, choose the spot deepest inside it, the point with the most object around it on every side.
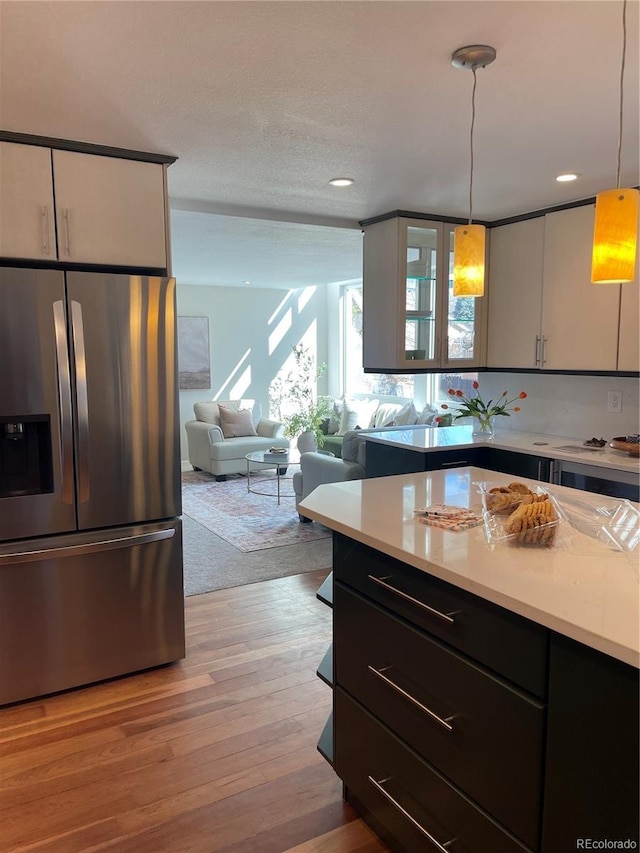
(194, 360)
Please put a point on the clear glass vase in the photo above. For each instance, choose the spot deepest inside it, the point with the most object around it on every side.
(483, 426)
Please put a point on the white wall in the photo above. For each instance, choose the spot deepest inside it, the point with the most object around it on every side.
(251, 335)
(574, 406)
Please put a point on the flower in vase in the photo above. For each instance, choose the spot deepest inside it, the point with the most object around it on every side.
(476, 407)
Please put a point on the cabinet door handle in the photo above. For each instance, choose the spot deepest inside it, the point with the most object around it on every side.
(379, 787)
(447, 617)
(537, 354)
(444, 722)
(67, 231)
(457, 464)
(46, 248)
(543, 359)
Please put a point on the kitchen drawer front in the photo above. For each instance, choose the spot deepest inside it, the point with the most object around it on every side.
(367, 753)
(484, 736)
(512, 646)
(458, 458)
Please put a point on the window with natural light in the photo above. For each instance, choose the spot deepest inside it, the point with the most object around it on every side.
(427, 388)
(356, 381)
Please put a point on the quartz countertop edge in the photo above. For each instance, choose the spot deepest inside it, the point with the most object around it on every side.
(592, 596)
(432, 439)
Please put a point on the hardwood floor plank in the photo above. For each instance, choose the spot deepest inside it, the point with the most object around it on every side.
(354, 837)
(214, 753)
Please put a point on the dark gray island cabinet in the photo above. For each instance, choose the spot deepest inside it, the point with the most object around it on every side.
(461, 726)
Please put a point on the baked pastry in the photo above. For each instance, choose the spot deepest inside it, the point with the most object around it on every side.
(534, 523)
(503, 500)
(502, 503)
(519, 487)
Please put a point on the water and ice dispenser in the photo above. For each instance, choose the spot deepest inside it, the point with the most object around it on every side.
(25, 455)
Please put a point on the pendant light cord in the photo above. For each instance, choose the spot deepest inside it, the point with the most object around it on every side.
(624, 50)
(473, 121)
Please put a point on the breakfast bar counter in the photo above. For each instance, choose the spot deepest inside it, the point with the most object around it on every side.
(485, 692)
(579, 587)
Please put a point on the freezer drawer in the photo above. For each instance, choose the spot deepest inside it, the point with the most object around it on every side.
(81, 608)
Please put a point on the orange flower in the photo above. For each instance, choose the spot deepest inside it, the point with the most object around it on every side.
(476, 407)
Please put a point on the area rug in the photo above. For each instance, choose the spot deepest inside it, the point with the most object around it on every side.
(248, 521)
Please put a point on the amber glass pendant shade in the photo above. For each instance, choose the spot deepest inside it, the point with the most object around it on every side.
(468, 260)
(615, 237)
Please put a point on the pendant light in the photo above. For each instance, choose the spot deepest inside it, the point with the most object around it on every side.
(469, 240)
(615, 234)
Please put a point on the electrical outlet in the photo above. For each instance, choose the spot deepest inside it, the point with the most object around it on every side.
(614, 402)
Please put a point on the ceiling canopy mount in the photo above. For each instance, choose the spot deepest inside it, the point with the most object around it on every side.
(473, 56)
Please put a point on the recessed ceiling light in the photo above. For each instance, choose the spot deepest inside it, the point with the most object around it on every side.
(246, 282)
(567, 176)
(341, 182)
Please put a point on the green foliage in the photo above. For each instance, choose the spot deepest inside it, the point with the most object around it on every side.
(300, 391)
(463, 310)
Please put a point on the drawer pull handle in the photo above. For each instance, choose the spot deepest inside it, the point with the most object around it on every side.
(443, 722)
(457, 464)
(447, 617)
(403, 811)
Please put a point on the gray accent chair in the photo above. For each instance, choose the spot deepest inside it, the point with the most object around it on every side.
(210, 451)
(317, 469)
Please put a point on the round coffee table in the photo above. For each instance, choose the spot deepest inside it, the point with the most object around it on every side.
(279, 461)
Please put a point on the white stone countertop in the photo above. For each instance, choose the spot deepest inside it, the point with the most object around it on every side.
(579, 587)
(567, 448)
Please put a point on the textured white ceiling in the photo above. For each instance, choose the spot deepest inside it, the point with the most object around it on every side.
(263, 102)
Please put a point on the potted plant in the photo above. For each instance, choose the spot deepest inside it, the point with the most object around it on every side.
(307, 410)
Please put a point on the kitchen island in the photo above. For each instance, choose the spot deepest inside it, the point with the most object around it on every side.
(483, 694)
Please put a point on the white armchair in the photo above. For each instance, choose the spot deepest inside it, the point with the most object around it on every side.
(210, 450)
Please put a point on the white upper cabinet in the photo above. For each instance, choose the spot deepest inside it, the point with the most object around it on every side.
(579, 319)
(515, 294)
(27, 225)
(109, 210)
(543, 310)
(81, 208)
(411, 320)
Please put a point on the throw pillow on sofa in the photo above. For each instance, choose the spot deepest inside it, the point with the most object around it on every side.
(385, 414)
(348, 418)
(236, 424)
(427, 415)
(406, 416)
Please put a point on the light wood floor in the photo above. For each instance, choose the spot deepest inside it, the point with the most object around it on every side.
(215, 753)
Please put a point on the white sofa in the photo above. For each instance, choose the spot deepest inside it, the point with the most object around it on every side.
(210, 451)
(371, 413)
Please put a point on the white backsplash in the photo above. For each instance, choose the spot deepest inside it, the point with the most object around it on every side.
(574, 406)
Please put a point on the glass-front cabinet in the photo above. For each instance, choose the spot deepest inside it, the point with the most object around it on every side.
(411, 320)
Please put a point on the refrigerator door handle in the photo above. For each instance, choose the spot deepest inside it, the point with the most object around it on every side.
(79, 354)
(85, 548)
(64, 402)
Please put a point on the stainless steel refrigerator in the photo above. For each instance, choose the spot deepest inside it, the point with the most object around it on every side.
(90, 535)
